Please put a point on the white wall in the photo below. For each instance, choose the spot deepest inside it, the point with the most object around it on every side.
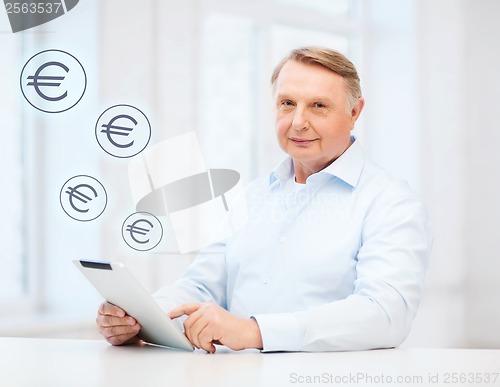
(481, 173)
(459, 87)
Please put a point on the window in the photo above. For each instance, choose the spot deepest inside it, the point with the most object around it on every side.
(227, 93)
(13, 275)
(37, 155)
(287, 37)
(329, 7)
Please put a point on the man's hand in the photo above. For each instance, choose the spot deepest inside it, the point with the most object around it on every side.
(209, 324)
(116, 326)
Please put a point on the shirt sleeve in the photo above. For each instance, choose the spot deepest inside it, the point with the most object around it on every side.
(203, 281)
(391, 263)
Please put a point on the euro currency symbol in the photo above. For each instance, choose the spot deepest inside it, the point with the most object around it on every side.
(142, 231)
(83, 198)
(53, 81)
(118, 130)
(48, 81)
(133, 229)
(123, 131)
(74, 193)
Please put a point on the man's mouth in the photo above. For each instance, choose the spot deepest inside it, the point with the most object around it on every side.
(302, 141)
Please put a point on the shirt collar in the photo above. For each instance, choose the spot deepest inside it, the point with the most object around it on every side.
(347, 167)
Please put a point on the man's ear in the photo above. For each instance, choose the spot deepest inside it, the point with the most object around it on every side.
(357, 109)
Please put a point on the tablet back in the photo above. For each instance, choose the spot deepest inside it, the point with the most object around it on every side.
(117, 285)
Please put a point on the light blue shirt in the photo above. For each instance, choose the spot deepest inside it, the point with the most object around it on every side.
(337, 263)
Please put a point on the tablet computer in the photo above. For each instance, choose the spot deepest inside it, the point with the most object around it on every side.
(119, 287)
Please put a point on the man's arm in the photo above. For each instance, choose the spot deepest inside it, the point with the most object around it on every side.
(392, 259)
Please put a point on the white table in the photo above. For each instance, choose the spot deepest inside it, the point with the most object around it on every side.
(67, 363)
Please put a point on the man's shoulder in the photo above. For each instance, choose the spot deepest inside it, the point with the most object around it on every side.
(377, 180)
(261, 183)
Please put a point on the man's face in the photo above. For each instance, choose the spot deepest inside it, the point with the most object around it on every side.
(312, 122)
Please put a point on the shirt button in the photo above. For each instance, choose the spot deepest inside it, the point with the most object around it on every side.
(265, 280)
(282, 240)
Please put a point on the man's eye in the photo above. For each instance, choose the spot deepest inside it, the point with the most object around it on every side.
(319, 105)
(287, 103)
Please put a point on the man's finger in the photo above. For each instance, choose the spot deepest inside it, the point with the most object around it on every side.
(109, 321)
(184, 309)
(194, 328)
(108, 309)
(188, 328)
(118, 330)
(193, 318)
(206, 341)
(120, 339)
(188, 323)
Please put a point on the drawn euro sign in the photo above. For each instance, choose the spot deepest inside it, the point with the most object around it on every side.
(25, 14)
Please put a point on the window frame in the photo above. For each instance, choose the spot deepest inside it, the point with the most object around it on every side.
(31, 298)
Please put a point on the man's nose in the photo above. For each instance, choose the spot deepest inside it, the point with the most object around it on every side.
(300, 122)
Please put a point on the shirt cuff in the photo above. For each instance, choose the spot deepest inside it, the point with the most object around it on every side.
(279, 331)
